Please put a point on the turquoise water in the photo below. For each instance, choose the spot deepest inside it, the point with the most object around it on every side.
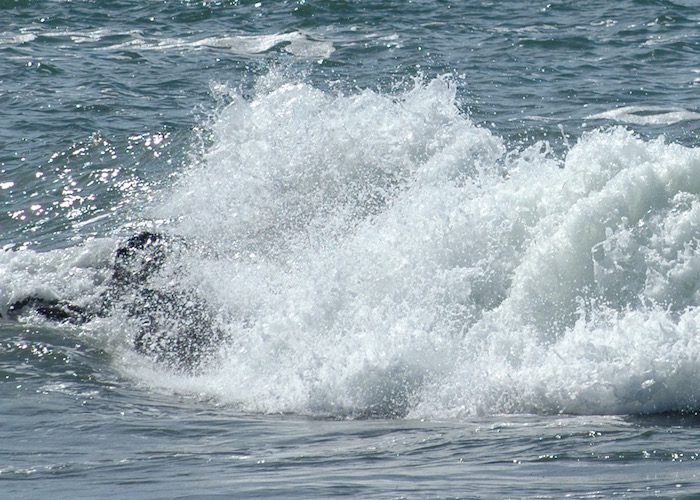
(448, 249)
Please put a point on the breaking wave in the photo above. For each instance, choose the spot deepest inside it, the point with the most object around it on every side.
(373, 254)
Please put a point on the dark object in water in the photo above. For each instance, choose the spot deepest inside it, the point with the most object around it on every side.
(175, 327)
(51, 309)
(139, 258)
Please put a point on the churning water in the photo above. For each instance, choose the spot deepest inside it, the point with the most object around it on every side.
(443, 249)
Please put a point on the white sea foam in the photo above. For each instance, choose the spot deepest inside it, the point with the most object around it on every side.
(294, 42)
(647, 115)
(381, 254)
(72, 274)
(297, 43)
(11, 39)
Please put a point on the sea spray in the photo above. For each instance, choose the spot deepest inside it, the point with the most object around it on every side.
(374, 254)
(479, 279)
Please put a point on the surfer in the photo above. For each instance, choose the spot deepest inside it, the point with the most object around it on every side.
(175, 326)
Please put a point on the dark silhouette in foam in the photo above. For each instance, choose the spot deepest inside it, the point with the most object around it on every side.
(175, 326)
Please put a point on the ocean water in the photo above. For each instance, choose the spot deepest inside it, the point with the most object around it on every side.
(443, 249)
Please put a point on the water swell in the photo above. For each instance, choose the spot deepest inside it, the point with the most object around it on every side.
(372, 254)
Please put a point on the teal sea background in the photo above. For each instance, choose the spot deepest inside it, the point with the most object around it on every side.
(454, 247)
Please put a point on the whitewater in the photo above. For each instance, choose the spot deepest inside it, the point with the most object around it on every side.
(382, 255)
(391, 250)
